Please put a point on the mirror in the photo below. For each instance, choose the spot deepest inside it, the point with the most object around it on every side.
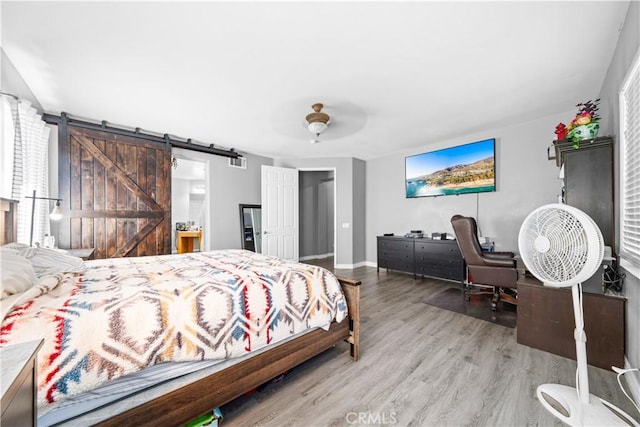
(251, 227)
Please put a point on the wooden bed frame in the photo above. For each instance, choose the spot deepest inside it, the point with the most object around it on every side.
(202, 396)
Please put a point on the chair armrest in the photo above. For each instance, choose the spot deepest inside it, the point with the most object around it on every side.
(501, 254)
(498, 261)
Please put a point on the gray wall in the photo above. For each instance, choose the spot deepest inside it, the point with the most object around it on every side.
(347, 218)
(526, 179)
(359, 211)
(179, 206)
(13, 83)
(231, 187)
(316, 214)
(626, 49)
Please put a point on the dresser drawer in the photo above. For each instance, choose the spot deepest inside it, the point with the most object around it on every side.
(397, 264)
(439, 271)
(396, 260)
(390, 253)
(396, 245)
(438, 248)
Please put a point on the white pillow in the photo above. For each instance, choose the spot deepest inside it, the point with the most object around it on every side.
(17, 273)
(51, 261)
(16, 246)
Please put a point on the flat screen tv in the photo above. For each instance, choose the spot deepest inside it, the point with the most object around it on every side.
(468, 168)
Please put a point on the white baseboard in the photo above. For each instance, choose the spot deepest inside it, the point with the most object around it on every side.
(632, 381)
(351, 266)
(323, 256)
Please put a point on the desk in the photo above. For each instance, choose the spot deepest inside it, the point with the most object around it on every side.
(546, 322)
(184, 241)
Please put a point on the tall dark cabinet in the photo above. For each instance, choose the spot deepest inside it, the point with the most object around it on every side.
(588, 181)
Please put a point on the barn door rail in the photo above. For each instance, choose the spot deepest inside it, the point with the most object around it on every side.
(63, 120)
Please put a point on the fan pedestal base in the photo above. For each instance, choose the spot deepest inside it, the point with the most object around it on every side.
(563, 402)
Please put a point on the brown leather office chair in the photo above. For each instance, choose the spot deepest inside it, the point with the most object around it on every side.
(496, 269)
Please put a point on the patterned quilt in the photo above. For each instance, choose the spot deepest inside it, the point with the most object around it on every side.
(122, 315)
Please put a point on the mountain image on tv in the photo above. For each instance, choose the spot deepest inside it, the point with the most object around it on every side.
(464, 169)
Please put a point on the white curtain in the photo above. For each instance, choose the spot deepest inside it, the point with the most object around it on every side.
(8, 137)
(29, 165)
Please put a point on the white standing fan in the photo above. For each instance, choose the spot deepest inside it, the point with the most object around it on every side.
(562, 246)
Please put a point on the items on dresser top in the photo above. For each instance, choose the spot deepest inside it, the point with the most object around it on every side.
(416, 234)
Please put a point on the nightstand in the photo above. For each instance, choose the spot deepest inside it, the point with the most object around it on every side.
(85, 254)
(19, 388)
(184, 241)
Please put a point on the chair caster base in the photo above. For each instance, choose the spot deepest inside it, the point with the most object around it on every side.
(494, 302)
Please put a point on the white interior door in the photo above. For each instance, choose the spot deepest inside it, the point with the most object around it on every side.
(280, 212)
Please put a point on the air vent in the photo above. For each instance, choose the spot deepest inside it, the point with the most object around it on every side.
(240, 162)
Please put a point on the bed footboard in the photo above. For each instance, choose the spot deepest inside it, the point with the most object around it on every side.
(351, 289)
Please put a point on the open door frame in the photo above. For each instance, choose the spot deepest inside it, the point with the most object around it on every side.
(206, 159)
(335, 205)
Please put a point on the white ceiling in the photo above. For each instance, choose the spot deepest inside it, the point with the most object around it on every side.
(392, 75)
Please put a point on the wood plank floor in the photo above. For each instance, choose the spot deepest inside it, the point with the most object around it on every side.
(420, 366)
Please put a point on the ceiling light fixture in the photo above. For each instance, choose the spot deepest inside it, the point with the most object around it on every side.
(317, 120)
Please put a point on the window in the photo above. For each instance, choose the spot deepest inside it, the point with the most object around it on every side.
(630, 169)
(24, 143)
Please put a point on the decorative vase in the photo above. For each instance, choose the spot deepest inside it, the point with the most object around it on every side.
(582, 132)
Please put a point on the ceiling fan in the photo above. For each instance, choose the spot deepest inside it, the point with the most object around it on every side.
(317, 121)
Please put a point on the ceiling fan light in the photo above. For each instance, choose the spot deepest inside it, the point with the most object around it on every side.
(317, 120)
(317, 127)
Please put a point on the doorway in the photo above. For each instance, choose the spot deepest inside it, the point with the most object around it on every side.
(189, 194)
(317, 214)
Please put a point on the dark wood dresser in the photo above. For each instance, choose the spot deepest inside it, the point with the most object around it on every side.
(425, 257)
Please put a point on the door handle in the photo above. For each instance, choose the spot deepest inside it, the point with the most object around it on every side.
(265, 232)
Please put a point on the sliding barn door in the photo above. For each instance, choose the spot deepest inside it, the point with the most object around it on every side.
(116, 193)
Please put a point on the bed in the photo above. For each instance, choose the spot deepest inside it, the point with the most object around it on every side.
(263, 352)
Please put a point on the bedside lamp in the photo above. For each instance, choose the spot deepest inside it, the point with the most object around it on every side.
(56, 213)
